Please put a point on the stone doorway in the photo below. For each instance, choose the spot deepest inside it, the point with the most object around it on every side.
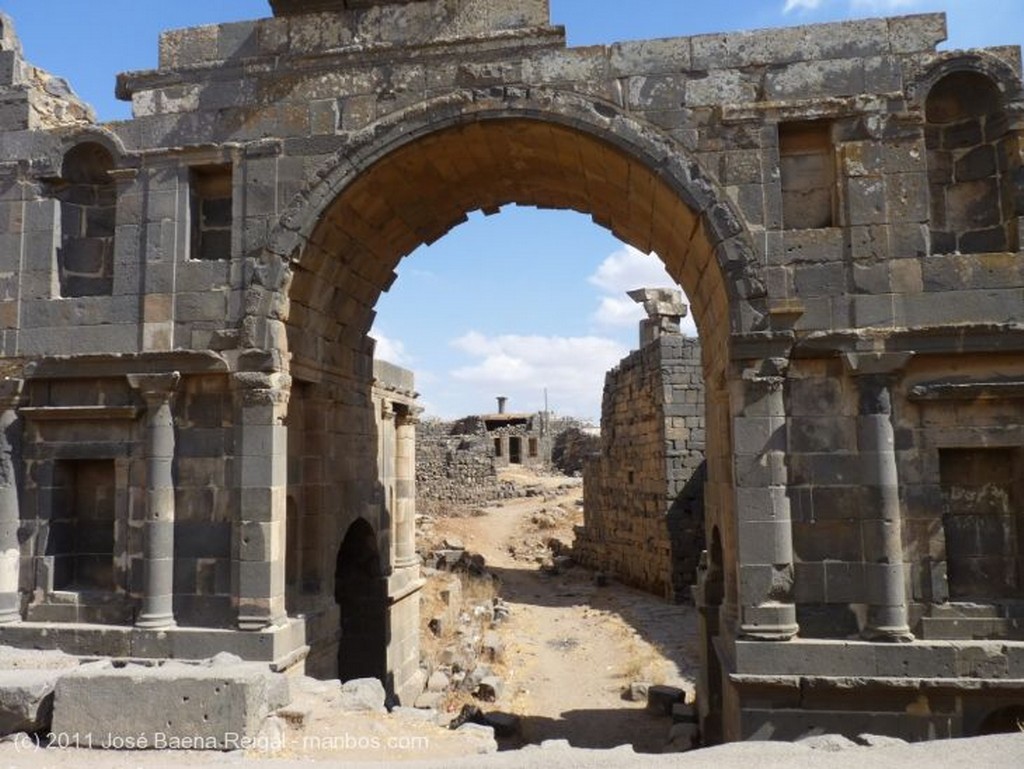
(361, 595)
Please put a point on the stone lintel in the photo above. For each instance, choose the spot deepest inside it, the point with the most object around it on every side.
(983, 390)
(761, 345)
(79, 413)
(100, 366)
(985, 338)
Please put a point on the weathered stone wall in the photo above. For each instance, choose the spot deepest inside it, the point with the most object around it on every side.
(454, 465)
(643, 500)
(457, 462)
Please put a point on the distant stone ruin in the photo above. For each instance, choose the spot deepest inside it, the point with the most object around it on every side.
(458, 463)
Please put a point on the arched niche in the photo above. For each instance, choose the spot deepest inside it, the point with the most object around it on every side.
(88, 209)
(972, 166)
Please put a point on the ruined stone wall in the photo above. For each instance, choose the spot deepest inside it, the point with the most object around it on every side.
(454, 468)
(643, 495)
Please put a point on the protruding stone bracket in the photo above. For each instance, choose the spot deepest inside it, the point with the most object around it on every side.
(158, 391)
(887, 600)
(664, 308)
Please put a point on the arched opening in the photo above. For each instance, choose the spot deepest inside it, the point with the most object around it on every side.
(972, 166)
(1006, 720)
(88, 208)
(348, 234)
(359, 590)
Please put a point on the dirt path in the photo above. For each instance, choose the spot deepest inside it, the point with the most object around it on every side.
(573, 648)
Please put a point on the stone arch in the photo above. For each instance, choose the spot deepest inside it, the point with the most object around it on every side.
(1008, 719)
(360, 592)
(415, 175)
(731, 297)
(973, 154)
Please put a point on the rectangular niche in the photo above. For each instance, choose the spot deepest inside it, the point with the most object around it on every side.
(211, 204)
(983, 522)
(808, 175)
(81, 537)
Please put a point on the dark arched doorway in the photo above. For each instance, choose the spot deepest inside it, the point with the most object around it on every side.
(360, 590)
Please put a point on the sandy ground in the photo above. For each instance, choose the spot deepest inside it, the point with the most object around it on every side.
(573, 648)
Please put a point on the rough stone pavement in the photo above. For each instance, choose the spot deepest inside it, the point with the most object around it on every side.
(995, 752)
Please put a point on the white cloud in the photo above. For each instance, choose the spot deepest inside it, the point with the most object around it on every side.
(629, 268)
(390, 350)
(801, 5)
(883, 6)
(522, 367)
(615, 311)
(854, 6)
(623, 271)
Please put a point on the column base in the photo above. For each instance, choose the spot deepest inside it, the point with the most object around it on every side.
(769, 622)
(155, 621)
(769, 633)
(887, 634)
(887, 622)
(251, 622)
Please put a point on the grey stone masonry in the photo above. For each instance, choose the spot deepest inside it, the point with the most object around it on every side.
(829, 197)
(643, 496)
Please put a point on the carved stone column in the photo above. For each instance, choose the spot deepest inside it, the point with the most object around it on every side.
(10, 515)
(883, 532)
(261, 460)
(765, 532)
(158, 391)
(405, 489)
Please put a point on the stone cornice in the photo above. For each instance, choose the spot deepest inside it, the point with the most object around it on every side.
(93, 366)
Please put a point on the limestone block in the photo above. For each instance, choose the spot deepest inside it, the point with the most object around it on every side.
(211, 707)
(363, 694)
(661, 699)
(26, 700)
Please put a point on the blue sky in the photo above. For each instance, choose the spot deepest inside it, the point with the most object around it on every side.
(511, 304)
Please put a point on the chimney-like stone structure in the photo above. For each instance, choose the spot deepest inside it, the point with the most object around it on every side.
(664, 308)
(502, 400)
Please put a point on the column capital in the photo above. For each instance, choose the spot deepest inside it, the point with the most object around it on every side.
(409, 419)
(262, 389)
(890, 364)
(769, 373)
(159, 387)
